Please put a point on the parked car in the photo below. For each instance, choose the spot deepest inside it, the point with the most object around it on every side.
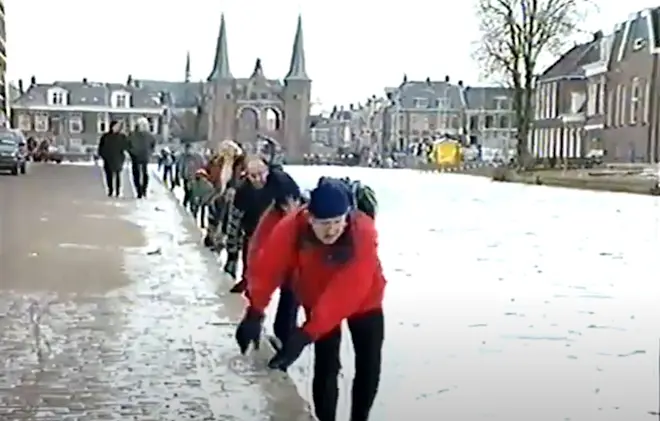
(13, 152)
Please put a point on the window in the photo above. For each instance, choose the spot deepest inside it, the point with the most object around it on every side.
(153, 125)
(592, 99)
(24, 122)
(57, 96)
(622, 105)
(121, 101)
(501, 103)
(615, 106)
(639, 44)
(102, 123)
(504, 122)
(635, 91)
(553, 99)
(647, 99)
(489, 122)
(75, 123)
(546, 101)
(420, 102)
(41, 122)
(601, 96)
(474, 122)
(577, 101)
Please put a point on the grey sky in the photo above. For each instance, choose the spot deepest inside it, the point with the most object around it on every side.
(354, 48)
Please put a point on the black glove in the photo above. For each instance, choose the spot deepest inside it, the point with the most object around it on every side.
(290, 351)
(249, 330)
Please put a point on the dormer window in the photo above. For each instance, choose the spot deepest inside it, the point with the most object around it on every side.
(121, 99)
(420, 102)
(57, 96)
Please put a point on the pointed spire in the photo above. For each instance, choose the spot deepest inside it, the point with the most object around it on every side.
(297, 68)
(258, 71)
(221, 61)
(187, 76)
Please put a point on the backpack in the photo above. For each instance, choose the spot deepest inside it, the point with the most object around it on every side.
(362, 197)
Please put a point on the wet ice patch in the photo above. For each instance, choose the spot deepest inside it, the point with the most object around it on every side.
(79, 246)
(178, 325)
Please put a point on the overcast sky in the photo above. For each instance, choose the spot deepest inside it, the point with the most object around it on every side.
(354, 48)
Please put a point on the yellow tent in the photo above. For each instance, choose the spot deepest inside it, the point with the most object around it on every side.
(446, 152)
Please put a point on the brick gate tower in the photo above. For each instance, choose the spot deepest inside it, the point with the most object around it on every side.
(243, 108)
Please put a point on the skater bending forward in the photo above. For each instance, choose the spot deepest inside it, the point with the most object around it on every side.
(332, 250)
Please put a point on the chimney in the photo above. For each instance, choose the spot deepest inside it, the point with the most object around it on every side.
(20, 86)
(428, 81)
(447, 78)
(85, 81)
(351, 107)
(598, 35)
(129, 80)
(460, 83)
(33, 80)
(405, 79)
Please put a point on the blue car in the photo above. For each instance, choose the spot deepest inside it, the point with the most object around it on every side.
(13, 156)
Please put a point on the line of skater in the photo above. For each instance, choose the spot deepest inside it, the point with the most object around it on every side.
(319, 250)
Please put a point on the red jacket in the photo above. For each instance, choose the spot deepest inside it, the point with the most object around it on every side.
(267, 222)
(330, 291)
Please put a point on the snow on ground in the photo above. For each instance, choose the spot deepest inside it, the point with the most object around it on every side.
(509, 301)
(179, 285)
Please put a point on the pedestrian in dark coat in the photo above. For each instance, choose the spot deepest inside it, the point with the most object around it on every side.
(112, 148)
(141, 144)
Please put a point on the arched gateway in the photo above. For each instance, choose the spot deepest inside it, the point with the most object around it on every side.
(244, 109)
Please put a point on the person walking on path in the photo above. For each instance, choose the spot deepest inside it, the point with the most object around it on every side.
(166, 161)
(332, 249)
(250, 202)
(141, 145)
(111, 149)
(287, 198)
(187, 165)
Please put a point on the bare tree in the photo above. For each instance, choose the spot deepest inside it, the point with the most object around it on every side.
(515, 36)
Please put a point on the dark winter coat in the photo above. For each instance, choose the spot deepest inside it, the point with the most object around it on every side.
(112, 148)
(141, 146)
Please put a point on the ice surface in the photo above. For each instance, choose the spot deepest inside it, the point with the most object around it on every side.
(510, 302)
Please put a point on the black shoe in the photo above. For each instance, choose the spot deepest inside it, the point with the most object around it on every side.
(110, 194)
(208, 241)
(239, 287)
(139, 196)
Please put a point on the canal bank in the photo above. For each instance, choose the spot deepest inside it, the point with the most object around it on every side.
(598, 180)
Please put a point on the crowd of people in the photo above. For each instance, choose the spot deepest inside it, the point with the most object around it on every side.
(319, 249)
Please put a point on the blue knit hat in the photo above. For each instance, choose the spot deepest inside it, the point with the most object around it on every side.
(328, 200)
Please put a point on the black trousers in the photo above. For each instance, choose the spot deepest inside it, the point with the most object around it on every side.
(168, 176)
(186, 194)
(112, 179)
(367, 332)
(286, 315)
(140, 177)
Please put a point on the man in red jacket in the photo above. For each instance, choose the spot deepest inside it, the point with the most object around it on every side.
(333, 252)
(286, 199)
